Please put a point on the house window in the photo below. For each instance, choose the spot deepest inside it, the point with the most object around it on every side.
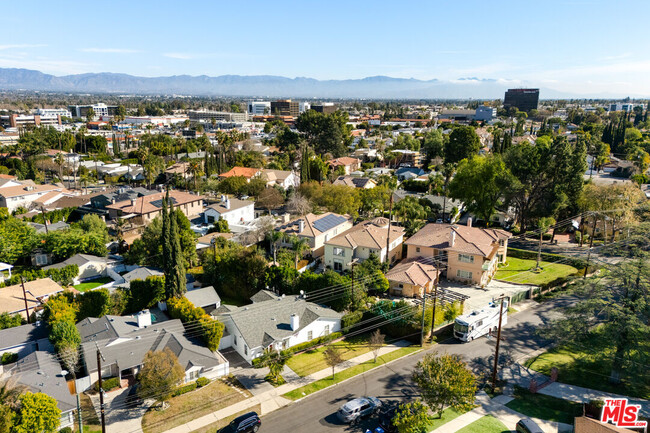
(339, 252)
(401, 286)
(465, 275)
(338, 266)
(327, 330)
(466, 258)
(245, 350)
(41, 259)
(193, 375)
(502, 242)
(309, 335)
(234, 340)
(417, 249)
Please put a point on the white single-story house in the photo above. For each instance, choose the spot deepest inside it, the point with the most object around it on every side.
(276, 322)
(205, 297)
(233, 210)
(89, 266)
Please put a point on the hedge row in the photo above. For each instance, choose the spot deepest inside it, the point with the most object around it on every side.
(108, 384)
(63, 276)
(184, 389)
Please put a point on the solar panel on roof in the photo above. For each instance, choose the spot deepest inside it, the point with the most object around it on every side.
(328, 222)
(159, 203)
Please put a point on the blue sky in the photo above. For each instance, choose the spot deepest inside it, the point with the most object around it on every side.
(580, 46)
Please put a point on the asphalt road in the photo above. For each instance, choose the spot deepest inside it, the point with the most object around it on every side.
(392, 384)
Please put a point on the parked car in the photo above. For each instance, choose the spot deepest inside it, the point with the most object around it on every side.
(527, 425)
(358, 408)
(132, 398)
(246, 423)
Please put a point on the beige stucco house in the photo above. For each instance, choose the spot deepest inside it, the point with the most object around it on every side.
(368, 237)
(412, 278)
(470, 254)
(317, 229)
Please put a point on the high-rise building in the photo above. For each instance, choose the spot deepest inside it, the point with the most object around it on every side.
(285, 107)
(81, 111)
(522, 99)
(259, 108)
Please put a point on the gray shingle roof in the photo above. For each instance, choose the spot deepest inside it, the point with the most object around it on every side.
(262, 323)
(203, 297)
(18, 335)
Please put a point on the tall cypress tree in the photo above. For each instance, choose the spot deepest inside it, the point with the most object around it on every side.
(167, 260)
(177, 268)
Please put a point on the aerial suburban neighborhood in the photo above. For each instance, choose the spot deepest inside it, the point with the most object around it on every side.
(197, 253)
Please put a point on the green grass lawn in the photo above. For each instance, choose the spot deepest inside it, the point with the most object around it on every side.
(350, 372)
(515, 270)
(311, 361)
(588, 364)
(84, 287)
(486, 424)
(447, 415)
(544, 407)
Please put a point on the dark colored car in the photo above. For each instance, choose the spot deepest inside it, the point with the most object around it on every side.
(132, 398)
(246, 423)
(527, 425)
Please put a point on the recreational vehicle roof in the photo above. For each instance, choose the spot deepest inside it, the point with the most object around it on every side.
(476, 315)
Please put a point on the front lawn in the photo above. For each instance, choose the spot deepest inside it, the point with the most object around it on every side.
(588, 364)
(521, 271)
(544, 406)
(89, 416)
(192, 405)
(311, 361)
(349, 372)
(486, 424)
(447, 415)
(84, 287)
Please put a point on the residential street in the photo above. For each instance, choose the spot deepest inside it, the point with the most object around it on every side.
(318, 412)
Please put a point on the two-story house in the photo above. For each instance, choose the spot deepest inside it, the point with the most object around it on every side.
(362, 240)
(349, 164)
(149, 206)
(470, 254)
(317, 229)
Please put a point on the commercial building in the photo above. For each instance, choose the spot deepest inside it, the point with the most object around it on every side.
(53, 112)
(485, 113)
(285, 107)
(326, 107)
(206, 116)
(101, 111)
(259, 108)
(522, 99)
(304, 106)
(16, 120)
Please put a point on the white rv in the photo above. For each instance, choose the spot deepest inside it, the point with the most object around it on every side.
(479, 323)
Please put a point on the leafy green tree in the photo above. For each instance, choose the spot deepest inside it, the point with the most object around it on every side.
(463, 143)
(270, 199)
(543, 224)
(146, 293)
(60, 308)
(63, 244)
(411, 214)
(94, 303)
(175, 271)
(332, 357)
(433, 144)
(160, 374)
(481, 183)
(327, 133)
(412, 418)
(6, 419)
(621, 296)
(17, 238)
(38, 413)
(233, 185)
(92, 223)
(10, 321)
(64, 333)
(445, 381)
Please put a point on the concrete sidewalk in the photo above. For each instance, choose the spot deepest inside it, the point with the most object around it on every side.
(271, 399)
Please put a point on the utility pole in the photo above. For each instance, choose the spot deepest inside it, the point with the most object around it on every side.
(435, 300)
(496, 353)
(47, 231)
(79, 420)
(424, 303)
(101, 390)
(22, 282)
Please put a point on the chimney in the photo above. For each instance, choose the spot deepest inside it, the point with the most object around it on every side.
(133, 202)
(223, 198)
(469, 222)
(144, 319)
(295, 322)
(227, 203)
(453, 238)
(301, 225)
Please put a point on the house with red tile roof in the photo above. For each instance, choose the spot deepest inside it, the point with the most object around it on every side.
(247, 172)
(349, 164)
(469, 254)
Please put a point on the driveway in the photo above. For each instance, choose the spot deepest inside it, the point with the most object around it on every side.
(119, 417)
(479, 298)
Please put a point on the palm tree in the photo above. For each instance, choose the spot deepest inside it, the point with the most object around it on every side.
(299, 246)
(194, 169)
(274, 237)
(59, 160)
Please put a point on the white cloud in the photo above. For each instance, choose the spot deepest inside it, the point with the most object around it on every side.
(47, 66)
(108, 50)
(12, 46)
(181, 56)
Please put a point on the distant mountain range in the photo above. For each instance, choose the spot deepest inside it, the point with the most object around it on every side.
(378, 87)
